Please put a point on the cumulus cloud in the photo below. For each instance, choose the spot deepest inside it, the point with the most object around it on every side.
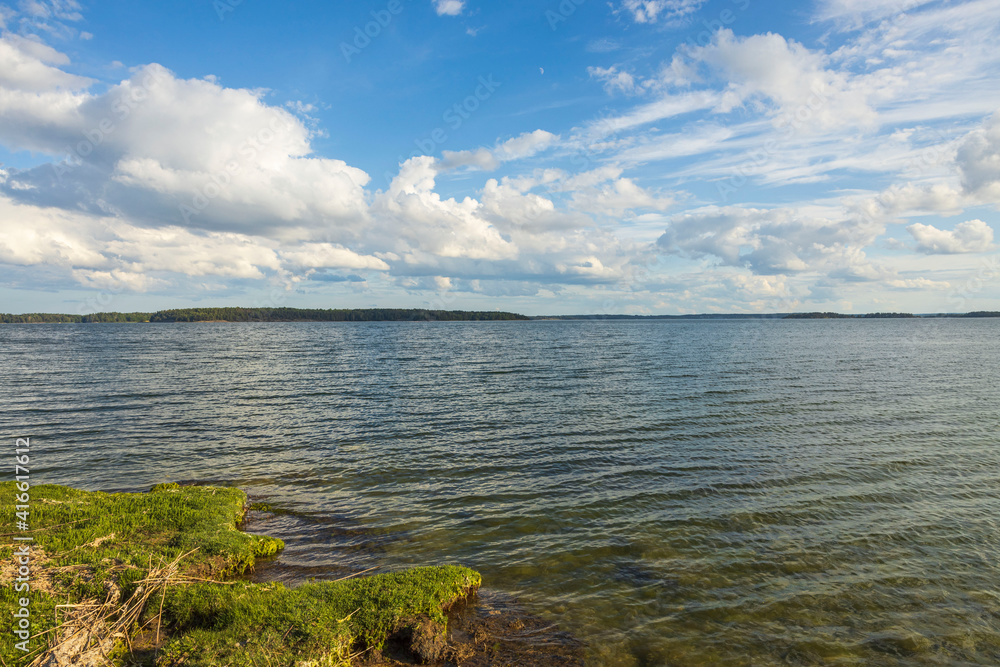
(106, 252)
(940, 198)
(509, 207)
(329, 256)
(159, 177)
(26, 66)
(774, 241)
(978, 161)
(969, 236)
(425, 222)
(618, 196)
(789, 75)
(166, 150)
(526, 145)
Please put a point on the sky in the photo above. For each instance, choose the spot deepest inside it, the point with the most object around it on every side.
(543, 157)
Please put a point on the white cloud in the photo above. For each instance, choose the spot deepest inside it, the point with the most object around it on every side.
(615, 80)
(189, 152)
(116, 280)
(796, 80)
(775, 241)
(177, 250)
(31, 236)
(667, 107)
(978, 161)
(329, 256)
(481, 158)
(969, 236)
(617, 197)
(448, 7)
(855, 13)
(910, 199)
(263, 207)
(516, 212)
(654, 11)
(526, 145)
(256, 204)
(421, 220)
(106, 252)
(695, 141)
(26, 66)
(517, 148)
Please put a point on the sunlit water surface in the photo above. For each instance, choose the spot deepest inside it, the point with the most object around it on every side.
(672, 492)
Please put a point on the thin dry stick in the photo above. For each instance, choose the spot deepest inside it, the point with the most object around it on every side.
(92, 618)
(159, 616)
(350, 576)
(349, 615)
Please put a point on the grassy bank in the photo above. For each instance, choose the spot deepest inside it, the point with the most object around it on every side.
(150, 578)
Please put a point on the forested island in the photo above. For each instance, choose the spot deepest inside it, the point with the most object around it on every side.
(232, 314)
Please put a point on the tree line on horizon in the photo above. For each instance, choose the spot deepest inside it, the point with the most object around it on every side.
(236, 314)
(832, 316)
(839, 316)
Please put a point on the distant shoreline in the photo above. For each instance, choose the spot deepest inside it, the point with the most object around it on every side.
(245, 315)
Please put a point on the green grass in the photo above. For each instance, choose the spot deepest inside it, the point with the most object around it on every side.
(130, 528)
(321, 623)
(86, 541)
(88, 544)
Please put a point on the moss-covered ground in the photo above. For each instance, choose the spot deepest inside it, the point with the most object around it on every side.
(169, 559)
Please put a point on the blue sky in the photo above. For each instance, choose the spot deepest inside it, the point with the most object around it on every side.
(633, 156)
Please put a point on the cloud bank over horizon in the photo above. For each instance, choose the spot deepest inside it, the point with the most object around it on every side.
(683, 166)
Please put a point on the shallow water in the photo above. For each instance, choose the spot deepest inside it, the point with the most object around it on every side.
(673, 492)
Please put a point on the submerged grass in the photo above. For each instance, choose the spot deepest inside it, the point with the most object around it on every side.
(107, 567)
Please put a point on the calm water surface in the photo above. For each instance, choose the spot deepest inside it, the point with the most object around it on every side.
(675, 493)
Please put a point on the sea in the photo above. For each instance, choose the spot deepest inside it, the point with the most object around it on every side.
(670, 492)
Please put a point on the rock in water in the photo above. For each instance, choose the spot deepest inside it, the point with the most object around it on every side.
(423, 638)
